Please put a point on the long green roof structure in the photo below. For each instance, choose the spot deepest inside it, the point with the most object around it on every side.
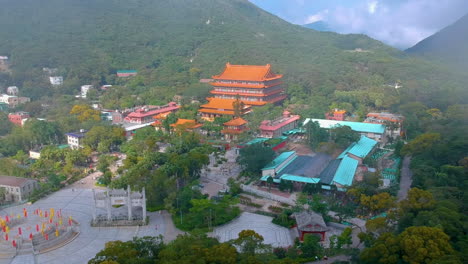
(356, 126)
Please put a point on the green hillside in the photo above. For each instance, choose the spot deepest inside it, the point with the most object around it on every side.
(174, 43)
(450, 45)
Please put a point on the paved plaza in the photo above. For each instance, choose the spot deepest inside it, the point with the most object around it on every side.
(79, 204)
(274, 235)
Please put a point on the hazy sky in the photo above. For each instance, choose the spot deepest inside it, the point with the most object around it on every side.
(400, 23)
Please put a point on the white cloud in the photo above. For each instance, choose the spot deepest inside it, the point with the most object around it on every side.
(398, 23)
(372, 6)
(320, 16)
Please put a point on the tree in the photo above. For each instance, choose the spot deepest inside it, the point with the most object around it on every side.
(250, 243)
(344, 135)
(270, 182)
(345, 239)
(310, 247)
(421, 144)
(417, 200)
(238, 106)
(316, 134)
(112, 135)
(6, 126)
(385, 250)
(378, 202)
(85, 113)
(421, 244)
(254, 157)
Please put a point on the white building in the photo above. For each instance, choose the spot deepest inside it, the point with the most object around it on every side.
(75, 139)
(85, 89)
(12, 90)
(56, 80)
(11, 100)
(16, 189)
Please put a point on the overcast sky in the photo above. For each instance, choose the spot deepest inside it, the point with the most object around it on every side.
(400, 23)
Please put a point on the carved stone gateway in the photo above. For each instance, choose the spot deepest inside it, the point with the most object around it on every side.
(119, 207)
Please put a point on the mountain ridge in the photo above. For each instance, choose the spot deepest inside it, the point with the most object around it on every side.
(449, 45)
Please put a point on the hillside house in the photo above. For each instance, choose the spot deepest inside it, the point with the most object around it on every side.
(18, 117)
(56, 80)
(276, 128)
(75, 139)
(187, 125)
(12, 90)
(126, 73)
(17, 189)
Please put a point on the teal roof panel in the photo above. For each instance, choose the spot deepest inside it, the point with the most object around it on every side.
(290, 177)
(279, 160)
(360, 149)
(345, 173)
(356, 126)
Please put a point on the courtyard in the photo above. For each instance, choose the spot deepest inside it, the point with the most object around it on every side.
(78, 202)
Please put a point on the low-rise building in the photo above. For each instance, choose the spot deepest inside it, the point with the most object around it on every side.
(393, 122)
(336, 114)
(75, 139)
(85, 89)
(17, 189)
(276, 128)
(126, 73)
(18, 117)
(309, 222)
(373, 131)
(234, 127)
(145, 114)
(56, 80)
(12, 90)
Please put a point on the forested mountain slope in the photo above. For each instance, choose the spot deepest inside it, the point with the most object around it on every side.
(174, 43)
(450, 45)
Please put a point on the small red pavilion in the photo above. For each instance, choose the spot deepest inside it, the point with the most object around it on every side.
(309, 222)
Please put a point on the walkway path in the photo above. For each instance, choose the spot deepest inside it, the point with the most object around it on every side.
(406, 179)
(331, 260)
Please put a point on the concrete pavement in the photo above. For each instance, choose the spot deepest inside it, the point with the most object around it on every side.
(79, 203)
(406, 179)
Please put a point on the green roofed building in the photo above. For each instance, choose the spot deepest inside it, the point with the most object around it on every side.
(373, 131)
(359, 150)
(344, 175)
(126, 73)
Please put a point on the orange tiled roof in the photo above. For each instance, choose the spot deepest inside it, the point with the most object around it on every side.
(247, 94)
(247, 73)
(214, 111)
(188, 123)
(236, 122)
(340, 112)
(220, 103)
(242, 85)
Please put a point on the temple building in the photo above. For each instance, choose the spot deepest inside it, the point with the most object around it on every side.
(254, 84)
(234, 127)
(336, 114)
(217, 107)
(275, 128)
(187, 125)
